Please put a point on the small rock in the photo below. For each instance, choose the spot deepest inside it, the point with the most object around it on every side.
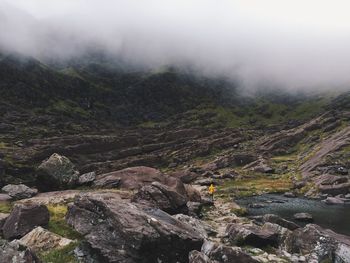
(303, 217)
(19, 191)
(289, 194)
(87, 179)
(256, 205)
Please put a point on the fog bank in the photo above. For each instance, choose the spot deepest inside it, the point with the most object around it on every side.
(292, 44)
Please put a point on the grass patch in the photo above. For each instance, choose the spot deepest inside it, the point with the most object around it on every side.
(5, 207)
(65, 255)
(57, 223)
(258, 184)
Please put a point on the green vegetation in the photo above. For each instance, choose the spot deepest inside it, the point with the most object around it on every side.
(58, 223)
(69, 108)
(257, 184)
(5, 207)
(65, 255)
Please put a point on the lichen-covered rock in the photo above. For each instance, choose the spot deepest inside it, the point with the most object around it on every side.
(40, 239)
(121, 231)
(13, 252)
(19, 191)
(57, 172)
(24, 218)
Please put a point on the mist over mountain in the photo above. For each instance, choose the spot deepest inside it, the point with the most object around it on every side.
(292, 45)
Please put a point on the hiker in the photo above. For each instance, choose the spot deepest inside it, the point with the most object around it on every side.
(211, 191)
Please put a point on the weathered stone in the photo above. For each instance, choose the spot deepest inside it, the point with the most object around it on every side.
(303, 217)
(15, 253)
(5, 198)
(280, 221)
(194, 208)
(19, 191)
(24, 218)
(3, 218)
(185, 176)
(251, 235)
(87, 179)
(133, 178)
(199, 257)
(335, 189)
(40, 239)
(222, 253)
(192, 194)
(163, 197)
(202, 228)
(57, 172)
(127, 232)
(319, 244)
(109, 181)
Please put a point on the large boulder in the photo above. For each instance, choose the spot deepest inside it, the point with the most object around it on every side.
(19, 191)
(252, 235)
(163, 197)
(132, 178)
(121, 231)
(15, 253)
(322, 245)
(40, 239)
(57, 172)
(24, 218)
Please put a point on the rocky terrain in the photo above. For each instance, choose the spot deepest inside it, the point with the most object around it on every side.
(102, 165)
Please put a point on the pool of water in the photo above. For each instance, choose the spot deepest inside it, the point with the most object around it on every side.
(335, 217)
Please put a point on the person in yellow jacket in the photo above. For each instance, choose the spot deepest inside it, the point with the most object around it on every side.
(211, 191)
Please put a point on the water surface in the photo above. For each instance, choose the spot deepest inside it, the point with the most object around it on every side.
(335, 217)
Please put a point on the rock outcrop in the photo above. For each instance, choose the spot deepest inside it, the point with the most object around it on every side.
(127, 232)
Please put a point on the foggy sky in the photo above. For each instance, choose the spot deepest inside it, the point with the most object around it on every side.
(289, 43)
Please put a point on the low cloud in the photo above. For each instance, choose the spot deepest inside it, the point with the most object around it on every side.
(290, 44)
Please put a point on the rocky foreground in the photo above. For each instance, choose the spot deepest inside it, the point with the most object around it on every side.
(141, 214)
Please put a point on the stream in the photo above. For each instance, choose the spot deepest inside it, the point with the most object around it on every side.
(334, 217)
